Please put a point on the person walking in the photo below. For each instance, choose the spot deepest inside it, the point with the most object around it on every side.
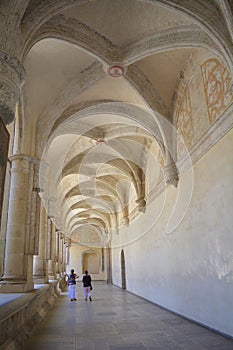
(72, 285)
(87, 286)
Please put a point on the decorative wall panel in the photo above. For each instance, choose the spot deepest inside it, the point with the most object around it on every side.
(185, 126)
(217, 82)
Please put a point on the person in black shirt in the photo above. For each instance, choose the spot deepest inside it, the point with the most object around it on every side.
(87, 286)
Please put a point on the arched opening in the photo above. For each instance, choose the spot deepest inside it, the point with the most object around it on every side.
(123, 276)
(90, 262)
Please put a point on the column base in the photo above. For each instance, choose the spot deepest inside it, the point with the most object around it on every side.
(16, 287)
(40, 280)
(52, 278)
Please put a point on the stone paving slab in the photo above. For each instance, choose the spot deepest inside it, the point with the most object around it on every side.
(117, 320)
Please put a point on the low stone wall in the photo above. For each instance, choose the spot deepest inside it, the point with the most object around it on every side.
(19, 318)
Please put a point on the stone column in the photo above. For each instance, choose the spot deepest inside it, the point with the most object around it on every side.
(20, 241)
(57, 253)
(62, 255)
(109, 264)
(51, 262)
(65, 254)
(40, 263)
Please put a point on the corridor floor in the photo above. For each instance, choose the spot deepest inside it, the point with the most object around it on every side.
(118, 320)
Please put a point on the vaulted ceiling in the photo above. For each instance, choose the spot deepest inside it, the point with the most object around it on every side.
(99, 136)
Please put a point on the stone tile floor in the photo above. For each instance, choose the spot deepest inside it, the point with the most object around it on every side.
(117, 320)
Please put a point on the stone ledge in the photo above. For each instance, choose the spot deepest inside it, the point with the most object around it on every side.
(19, 318)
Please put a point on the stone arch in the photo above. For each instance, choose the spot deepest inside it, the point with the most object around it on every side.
(35, 17)
(74, 32)
(185, 37)
(111, 220)
(91, 260)
(149, 120)
(157, 125)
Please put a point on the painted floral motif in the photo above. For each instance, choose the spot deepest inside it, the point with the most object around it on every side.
(217, 82)
(185, 132)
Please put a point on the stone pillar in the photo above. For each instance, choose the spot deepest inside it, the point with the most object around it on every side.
(109, 264)
(40, 263)
(57, 253)
(51, 262)
(62, 255)
(65, 254)
(20, 241)
(68, 254)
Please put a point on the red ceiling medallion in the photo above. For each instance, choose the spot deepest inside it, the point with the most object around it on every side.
(115, 71)
(100, 141)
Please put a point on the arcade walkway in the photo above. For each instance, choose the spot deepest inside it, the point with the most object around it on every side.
(118, 320)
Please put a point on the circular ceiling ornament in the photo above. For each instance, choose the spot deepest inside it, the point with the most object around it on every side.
(115, 71)
(100, 141)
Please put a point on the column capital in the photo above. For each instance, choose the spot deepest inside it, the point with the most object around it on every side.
(170, 174)
(20, 156)
(125, 221)
(22, 162)
(141, 204)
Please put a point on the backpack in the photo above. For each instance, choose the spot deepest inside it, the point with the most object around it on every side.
(71, 279)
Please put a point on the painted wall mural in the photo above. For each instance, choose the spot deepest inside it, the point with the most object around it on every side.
(217, 82)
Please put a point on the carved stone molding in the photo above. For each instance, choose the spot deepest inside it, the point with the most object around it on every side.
(11, 65)
(21, 162)
(206, 14)
(143, 116)
(170, 174)
(141, 204)
(183, 36)
(78, 33)
(12, 77)
(209, 16)
(125, 221)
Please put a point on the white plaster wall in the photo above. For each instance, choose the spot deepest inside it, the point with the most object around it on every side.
(76, 252)
(190, 270)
